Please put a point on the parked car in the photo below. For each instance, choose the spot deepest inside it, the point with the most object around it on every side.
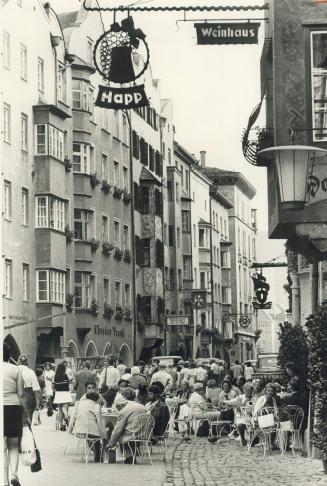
(168, 360)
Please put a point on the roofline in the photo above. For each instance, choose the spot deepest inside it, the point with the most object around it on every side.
(227, 177)
(221, 198)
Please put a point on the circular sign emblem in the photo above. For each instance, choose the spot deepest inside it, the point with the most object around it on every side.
(198, 301)
(121, 55)
(244, 321)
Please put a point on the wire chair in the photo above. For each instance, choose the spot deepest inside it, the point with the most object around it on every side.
(140, 443)
(161, 440)
(82, 437)
(216, 426)
(184, 423)
(267, 425)
(295, 416)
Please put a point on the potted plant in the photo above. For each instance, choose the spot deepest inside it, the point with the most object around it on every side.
(69, 234)
(105, 187)
(128, 314)
(107, 311)
(94, 307)
(119, 313)
(107, 248)
(117, 193)
(317, 338)
(69, 302)
(127, 256)
(94, 244)
(118, 254)
(94, 181)
(68, 164)
(198, 328)
(140, 326)
(127, 196)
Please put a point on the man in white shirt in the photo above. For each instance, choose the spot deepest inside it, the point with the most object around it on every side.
(163, 377)
(201, 374)
(121, 367)
(31, 387)
(110, 376)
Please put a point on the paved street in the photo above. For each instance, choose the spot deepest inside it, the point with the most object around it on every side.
(61, 470)
(200, 463)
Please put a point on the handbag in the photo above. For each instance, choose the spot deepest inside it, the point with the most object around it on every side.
(36, 466)
(28, 446)
(265, 421)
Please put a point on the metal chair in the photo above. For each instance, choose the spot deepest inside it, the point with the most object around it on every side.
(162, 439)
(295, 416)
(267, 425)
(184, 423)
(142, 428)
(81, 420)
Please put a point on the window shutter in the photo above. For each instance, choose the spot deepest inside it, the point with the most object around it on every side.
(157, 157)
(136, 151)
(151, 158)
(136, 197)
(141, 243)
(146, 154)
(137, 249)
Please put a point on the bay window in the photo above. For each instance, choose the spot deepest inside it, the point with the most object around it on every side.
(81, 94)
(50, 286)
(49, 213)
(319, 84)
(49, 141)
(83, 294)
(81, 158)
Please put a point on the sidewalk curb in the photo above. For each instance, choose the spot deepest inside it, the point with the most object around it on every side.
(169, 480)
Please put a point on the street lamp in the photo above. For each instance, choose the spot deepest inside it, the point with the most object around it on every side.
(293, 164)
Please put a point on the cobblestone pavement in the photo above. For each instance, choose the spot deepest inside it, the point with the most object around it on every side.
(199, 463)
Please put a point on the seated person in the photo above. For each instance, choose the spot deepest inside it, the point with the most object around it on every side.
(87, 419)
(184, 391)
(199, 405)
(142, 396)
(227, 394)
(109, 395)
(240, 382)
(293, 396)
(158, 410)
(122, 384)
(267, 400)
(213, 392)
(161, 388)
(243, 400)
(258, 389)
(89, 388)
(123, 430)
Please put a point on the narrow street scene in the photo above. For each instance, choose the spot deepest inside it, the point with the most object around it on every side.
(163, 237)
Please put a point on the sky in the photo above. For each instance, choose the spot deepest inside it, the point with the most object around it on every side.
(214, 88)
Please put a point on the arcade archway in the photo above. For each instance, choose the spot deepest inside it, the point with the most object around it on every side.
(126, 355)
(91, 350)
(73, 350)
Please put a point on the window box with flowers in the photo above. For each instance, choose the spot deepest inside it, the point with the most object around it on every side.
(117, 193)
(108, 311)
(94, 181)
(119, 313)
(127, 197)
(94, 307)
(128, 315)
(69, 302)
(107, 248)
(69, 234)
(105, 187)
(68, 164)
(127, 256)
(118, 254)
(94, 244)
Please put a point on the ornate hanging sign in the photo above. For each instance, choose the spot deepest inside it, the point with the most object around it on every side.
(261, 288)
(227, 33)
(198, 299)
(121, 55)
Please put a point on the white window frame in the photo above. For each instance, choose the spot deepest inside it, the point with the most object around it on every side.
(52, 141)
(55, 286)
(25, 206)
(8, 279)
(51, 213)
(24, 132)
(6, 123)
(125, 239)
(61, 82)
(89, 50)
(85, 222)
(116, 174)
(40, 74)
(84, 158)
(119, 301)
(41, 139)
(86, 290)
(125, 178)
(7, 207)
(80, 95)
(105, 232)
(127, 296)
(105, 167)
(26, 282)
(319, 72)
(6, 49)
(23, 62)
(117, 234)
(106, 298)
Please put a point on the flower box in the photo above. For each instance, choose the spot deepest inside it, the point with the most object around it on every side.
(117, 193)
(127, 197)
(94, 181)
(108, 311)
(94, 244)
(107, 248)
(127, 256)
(118, 254)
(105, 187)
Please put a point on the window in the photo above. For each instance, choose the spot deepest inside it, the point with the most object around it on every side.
(91, 102)
(61, 83)
(8, 279)
(23, 62)
(146, 252)
(225, 259)
(226, 295)
(82, 291)
(6, 123)
(185, 220)
(7, 210)
(159, 254)
(24, 207)
(319, 84)
(146, 307)
(127, 296)
(151, 158)
(81, 224)
(50, 286)
(194, 234)
(116, 124)
(136, 145)
(118, 294)
(89, 51)
(177, 191)
(171, 279)
(145, 200)
(180, 281)
(26, 282)
(178, 238)
(158, 168)
(80, 94)
(182, 176)
(125, 179)
(6, 50)
(195, 279)
(40, 74)
(23, 131)
(125, 129)
(116, 173)
(169, 156)
(171, 235)
(201, 238)
(117, 234)
(187, 187)
(50, 213)
(165, 234)
(203, 284)
(170, 191)
(105, 168)
(55, 148)
(106, 291)
(125, 237)
(158, 202)
(187, 266)
(41, 140)
(81, 158)
(105, 228)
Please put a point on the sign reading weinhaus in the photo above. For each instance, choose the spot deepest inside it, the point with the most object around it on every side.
(227, 33)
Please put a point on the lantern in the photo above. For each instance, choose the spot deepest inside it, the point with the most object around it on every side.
(293, 164)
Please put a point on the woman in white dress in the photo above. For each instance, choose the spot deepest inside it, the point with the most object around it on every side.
(48, 376)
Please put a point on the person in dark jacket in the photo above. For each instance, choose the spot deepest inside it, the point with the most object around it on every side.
(84, 376)
(158, 410)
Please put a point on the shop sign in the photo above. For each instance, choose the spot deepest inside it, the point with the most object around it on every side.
(317, 182)
(227, 33)
(198, 299)
(104, 331)
(177, 320)
(121, 55)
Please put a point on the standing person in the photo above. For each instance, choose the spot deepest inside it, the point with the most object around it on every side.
(32, 389)
(110, 376)
(97, 374)
(62, 394)
(121, 366)
(163, 377)
(201, 374)
(71, 375)
(237, 370)
(173, 373)
(258, 389)
(248, 372)
(84, 376)
(214, 368)
(48, 376)
(13, 393)
(136, 379)
(185, 373)
(39, 403)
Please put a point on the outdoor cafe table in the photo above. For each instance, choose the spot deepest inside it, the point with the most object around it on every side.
(110, 420)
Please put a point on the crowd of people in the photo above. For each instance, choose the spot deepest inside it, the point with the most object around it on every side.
(131, 391)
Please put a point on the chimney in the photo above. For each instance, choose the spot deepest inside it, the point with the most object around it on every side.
(203, 158)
